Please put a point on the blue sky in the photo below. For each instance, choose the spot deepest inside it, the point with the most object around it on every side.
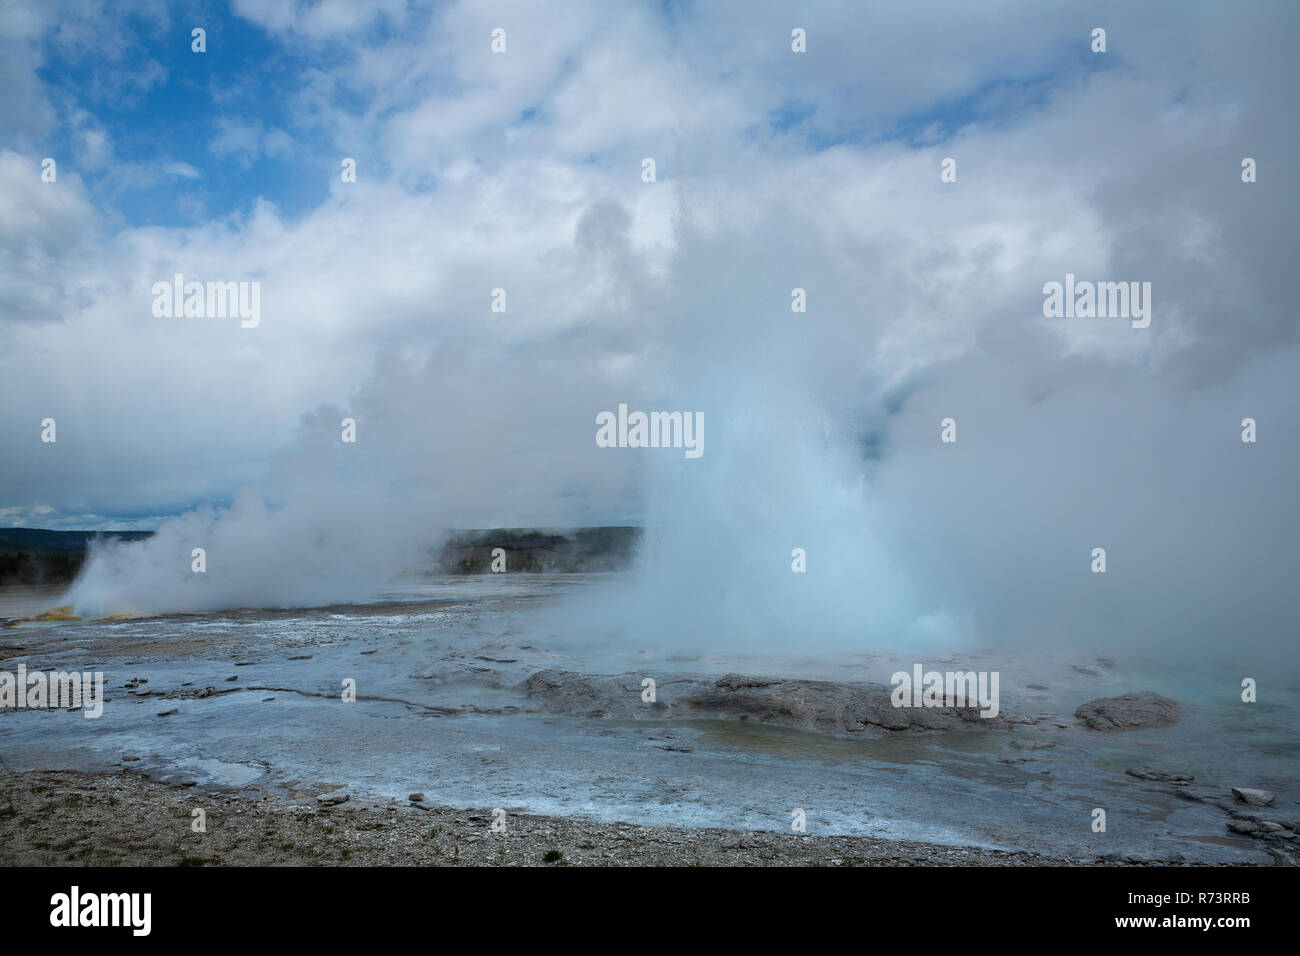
(196, 136)
(164, 108)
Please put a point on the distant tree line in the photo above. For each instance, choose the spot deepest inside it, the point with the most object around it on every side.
(28, 569)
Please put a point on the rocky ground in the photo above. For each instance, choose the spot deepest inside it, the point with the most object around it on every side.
(64, 818)
(460, 691)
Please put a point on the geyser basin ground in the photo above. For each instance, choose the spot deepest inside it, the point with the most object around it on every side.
(441, 675)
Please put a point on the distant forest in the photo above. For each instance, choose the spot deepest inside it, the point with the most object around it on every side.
(33, 556)
(579, 549)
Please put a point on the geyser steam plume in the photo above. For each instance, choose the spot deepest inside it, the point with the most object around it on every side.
(816, 440)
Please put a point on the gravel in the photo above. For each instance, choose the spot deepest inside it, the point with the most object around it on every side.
(62, 818)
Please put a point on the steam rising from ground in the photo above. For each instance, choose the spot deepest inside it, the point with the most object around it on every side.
(256, 556)
(439, 445)
(910, 542)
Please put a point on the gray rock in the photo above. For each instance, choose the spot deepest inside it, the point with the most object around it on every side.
(824, 706)
(333, 798)
(1256, 798)
(1128, 712)
(1148, 773)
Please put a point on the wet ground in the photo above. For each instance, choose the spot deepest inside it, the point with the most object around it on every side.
(439, 710)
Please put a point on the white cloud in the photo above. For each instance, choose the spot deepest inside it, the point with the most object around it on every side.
(182, 170)
(248, 141)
